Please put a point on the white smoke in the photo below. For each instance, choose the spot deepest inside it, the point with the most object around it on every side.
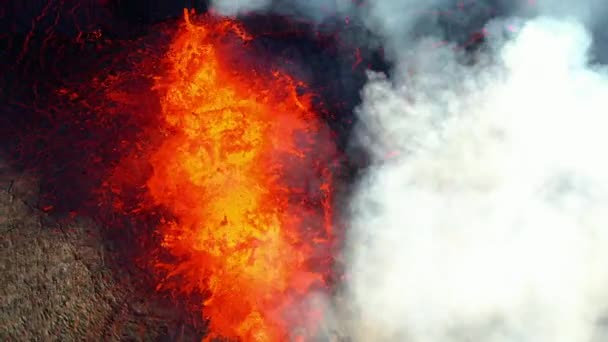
(587, 11)
(387, 17)
(311, 9)
(484, 216)
(234, 7)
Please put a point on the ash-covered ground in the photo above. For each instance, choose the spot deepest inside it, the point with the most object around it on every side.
(59, 282)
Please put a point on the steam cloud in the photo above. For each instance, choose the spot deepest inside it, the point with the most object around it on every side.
(491, 223)
(312, 9)
(484, 214)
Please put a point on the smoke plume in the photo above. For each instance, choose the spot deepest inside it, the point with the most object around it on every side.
(310, 9)
(484, 216)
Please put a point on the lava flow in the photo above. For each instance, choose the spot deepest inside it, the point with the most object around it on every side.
(243, 173)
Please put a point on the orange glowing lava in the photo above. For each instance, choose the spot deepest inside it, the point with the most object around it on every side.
(243, 174)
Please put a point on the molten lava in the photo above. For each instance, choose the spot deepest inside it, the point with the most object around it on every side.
(243, 175)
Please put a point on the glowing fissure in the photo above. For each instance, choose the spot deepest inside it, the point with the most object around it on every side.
(242, 228)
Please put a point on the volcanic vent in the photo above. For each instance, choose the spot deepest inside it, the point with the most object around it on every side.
(211, 169)
(245, 178)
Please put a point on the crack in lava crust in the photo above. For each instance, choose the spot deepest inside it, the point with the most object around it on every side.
(244, 174)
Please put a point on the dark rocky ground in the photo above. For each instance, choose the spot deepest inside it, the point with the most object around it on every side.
(59, 282)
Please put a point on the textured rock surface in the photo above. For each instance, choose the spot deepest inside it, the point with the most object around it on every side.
(58, 283)
(55, 285)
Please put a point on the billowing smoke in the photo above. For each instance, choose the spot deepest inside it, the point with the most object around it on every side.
(389, 18)
(233, 7)
(485, 216)
(484, 213)
(310, 9)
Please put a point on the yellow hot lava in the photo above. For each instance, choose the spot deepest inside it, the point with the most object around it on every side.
(237, 143)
